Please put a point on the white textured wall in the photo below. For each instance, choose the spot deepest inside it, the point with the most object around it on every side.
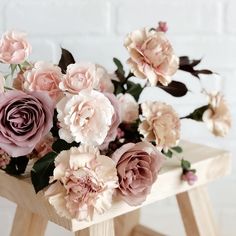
(94, 31)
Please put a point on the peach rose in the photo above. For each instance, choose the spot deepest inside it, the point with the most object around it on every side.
(151, 56)
(161, 124)
(81, 76)
(137, 167)
(217, 117)
(85, 182)
(44, 77)
(85, 117)
(129, 108)
(4, 159)
(2, 83)
(14, 48)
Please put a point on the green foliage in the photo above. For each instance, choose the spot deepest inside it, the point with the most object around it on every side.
(186, 165)
(177, 149)
(134, 89)
(42, 170)
(65, 60)
(60, 145)
(17, 165)
(197, 113)
(169, 153)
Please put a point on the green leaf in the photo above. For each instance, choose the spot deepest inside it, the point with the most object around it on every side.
(169, 153)
(65, 60)
(42, 170)
(60, 145)
(177, 149)
(55, 129)
(197, 113)
(186, 165)
(120, 70)
(17, 165)
(13, 68)
(118, 87)
(134, 89)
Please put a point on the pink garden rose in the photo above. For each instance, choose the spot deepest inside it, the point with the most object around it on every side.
(14, 48)
(81, 76)
(116, 120)
(190, 177)
(24, 120)
(85, 117)
(2, 83)
(151, 56)
(85, 182)
(161, 124)
(44, 77)
(137, 167)
(129, 108)
(44, 146)
(217, 117)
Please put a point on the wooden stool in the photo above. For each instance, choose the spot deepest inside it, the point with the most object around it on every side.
(33, 211)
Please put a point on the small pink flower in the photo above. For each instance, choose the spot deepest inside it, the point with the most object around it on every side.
(14, 48)
(85, 182)
(162, 26)
(44, 77)
(44, 146)
(151, 56)
(137, 166)
(4, 159)
(190, 177)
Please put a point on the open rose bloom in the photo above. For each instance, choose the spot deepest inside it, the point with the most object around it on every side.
(92, 135)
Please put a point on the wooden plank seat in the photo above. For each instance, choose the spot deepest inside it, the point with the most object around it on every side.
(34, 211)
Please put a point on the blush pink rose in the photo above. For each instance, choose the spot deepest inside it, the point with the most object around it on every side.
(4, 159)
(14, 48)
(116, 120)
(137, 167)
(85, 182)
(2, 83)
(85, 117)
(44, 77)
(217, 117)
(24, 119)
(90, 76)
(129, 108)
(151, 56)
(161, 124)
(44, 146)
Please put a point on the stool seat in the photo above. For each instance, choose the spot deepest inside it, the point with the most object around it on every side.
(211, 163)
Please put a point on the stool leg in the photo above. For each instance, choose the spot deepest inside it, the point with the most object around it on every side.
(105, 228)
(125, 224)
(27, 223)
(196, 212)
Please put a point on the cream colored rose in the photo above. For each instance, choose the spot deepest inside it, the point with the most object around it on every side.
(85, 182)
(217, 117)
(14, 48)
(81, 76)
(44, 77)
(151, 56)
(2, 83)
(161, 124)
(129, 108)
(85, 117)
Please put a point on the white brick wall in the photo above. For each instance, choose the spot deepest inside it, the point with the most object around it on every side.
(94, 31)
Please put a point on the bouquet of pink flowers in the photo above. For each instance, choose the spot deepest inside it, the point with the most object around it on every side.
(82, 131)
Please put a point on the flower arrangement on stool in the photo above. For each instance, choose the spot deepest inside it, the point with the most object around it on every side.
(82, 132)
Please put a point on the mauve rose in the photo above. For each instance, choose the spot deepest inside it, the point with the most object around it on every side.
(14, 48)
(24, 119)
(46, 77)
(151, 56)
(2, 83)
(217, 117)
(116, 120)
(137, 166)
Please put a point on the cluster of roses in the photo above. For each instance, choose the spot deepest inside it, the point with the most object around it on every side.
(113, 144)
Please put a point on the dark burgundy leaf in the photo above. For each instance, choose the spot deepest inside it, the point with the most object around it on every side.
(175, 88)
(65, 60)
